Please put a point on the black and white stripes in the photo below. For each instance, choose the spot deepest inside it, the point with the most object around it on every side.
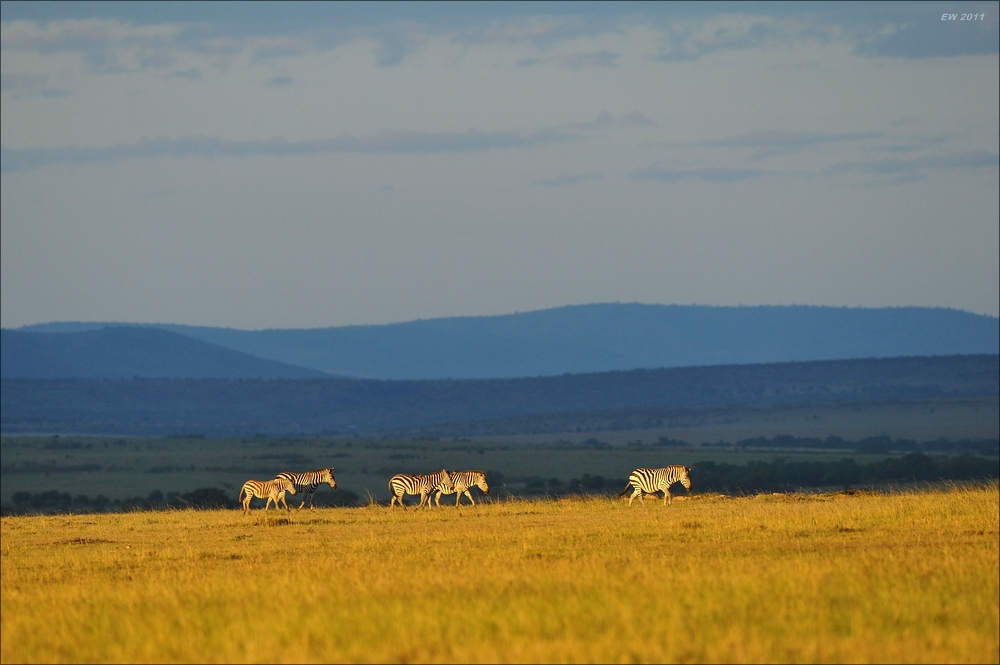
(308, 482)
(272, 490)
(404, 483)
(462, 481)
(647, 481)
(430, 487)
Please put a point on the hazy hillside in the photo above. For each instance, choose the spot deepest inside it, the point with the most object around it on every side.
(214, 407)
(125, 352)
(606, 337)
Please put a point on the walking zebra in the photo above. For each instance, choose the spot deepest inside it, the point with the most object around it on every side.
(462, 481)
(404, 483)
(655, 480)
(308, 482)
(272, 490)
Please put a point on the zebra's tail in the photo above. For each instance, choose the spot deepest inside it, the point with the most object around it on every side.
(624, 491)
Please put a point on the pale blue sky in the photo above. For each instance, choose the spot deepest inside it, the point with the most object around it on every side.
(295, 165)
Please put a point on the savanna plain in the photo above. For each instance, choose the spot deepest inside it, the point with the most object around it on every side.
(905, 575)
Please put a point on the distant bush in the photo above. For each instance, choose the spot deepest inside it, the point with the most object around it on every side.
(664, 441)
(204, 497)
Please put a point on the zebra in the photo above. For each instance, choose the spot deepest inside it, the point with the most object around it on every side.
(462, 482)
(309, 482)
(272, 490)
(404, 483)
(655, 480)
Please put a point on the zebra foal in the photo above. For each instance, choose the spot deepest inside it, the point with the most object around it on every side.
(462, 482)
(272, 490)
(308, 482)
(405, 483)
(656, 480)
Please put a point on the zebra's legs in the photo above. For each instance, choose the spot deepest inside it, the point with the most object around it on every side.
(468, 494)
(667, 499)
(636, 493)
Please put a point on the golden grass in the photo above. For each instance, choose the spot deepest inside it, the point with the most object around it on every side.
(901, 577)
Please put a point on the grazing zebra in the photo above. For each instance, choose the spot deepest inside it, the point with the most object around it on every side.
(308, 482)
(655, 480)
(404, 483)
(272, 490)
(462, 481)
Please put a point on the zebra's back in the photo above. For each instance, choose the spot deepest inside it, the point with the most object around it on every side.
(462, 482)
(272, 490)
(309, 481)
(647, 480)
(422, 484)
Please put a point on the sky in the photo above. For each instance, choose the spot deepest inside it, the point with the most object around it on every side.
(303, 165)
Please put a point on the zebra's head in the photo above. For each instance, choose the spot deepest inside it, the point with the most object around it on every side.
(686, 477)
(286, 485)
(481, 481)
(328, 478)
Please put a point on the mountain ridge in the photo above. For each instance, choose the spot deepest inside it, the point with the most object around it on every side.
(599, 337)
(126, 352)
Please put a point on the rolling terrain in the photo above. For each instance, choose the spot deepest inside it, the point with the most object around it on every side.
(578, 339)
(124, 352)
(217, 407)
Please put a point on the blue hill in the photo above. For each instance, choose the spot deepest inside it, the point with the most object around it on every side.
(603, 337)
(126, 352)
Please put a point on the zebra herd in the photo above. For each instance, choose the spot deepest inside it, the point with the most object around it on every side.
(642, 481)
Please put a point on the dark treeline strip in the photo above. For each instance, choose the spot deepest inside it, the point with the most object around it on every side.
(878, 445)
(782, 475)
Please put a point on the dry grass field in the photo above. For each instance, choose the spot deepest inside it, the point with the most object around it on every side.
(850, 577)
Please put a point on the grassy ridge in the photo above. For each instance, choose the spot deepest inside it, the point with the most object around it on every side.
(861, 577)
